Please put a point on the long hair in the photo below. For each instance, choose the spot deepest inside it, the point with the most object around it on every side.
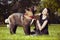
(48, 13)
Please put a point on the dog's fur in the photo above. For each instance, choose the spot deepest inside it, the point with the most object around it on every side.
(18, 19)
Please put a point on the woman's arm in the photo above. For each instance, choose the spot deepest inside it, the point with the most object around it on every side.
(38, 24)
(44, 24)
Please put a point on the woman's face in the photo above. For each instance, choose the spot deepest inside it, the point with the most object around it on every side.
(44, 12)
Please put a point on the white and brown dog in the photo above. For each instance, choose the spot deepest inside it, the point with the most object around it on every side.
(16, 19)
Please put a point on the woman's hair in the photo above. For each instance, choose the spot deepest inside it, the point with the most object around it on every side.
(43, 9)
(48, 11)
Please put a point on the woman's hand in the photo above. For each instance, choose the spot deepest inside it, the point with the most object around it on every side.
(40, 28)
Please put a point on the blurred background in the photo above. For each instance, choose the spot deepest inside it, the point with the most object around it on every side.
(8, 7)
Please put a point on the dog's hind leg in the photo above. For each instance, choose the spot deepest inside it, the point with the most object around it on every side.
(13, 28)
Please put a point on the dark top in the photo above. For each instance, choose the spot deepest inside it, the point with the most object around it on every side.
(45, 29)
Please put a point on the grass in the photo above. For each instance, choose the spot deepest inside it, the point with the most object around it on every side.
(54, 34)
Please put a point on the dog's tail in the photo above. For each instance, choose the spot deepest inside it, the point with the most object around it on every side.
(7, 21)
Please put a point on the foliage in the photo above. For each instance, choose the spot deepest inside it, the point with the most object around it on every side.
(16, 6)
(19, 6)
(51, 4)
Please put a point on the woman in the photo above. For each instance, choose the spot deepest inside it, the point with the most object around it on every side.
(42, 23)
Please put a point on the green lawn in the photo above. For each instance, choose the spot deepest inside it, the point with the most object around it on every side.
(54, 34)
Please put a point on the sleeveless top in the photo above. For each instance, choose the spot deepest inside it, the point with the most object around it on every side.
(45, 29)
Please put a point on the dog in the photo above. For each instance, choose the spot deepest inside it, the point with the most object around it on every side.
(17, 19)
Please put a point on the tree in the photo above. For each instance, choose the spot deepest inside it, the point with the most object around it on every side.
(51, 4)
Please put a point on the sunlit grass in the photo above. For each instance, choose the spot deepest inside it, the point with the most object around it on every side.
(54, 34)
